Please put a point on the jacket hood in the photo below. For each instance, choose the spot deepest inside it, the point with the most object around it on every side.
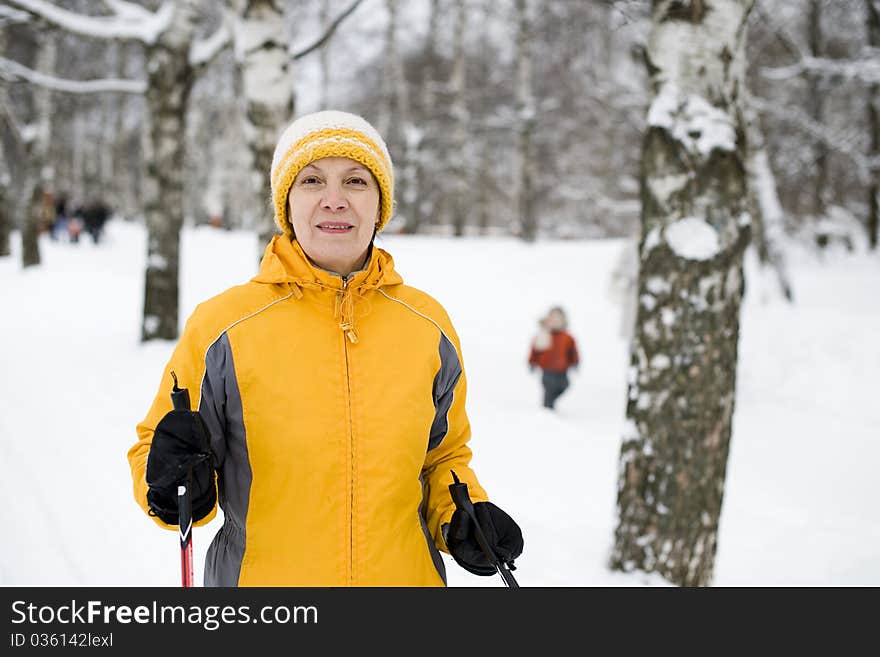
(284, 261)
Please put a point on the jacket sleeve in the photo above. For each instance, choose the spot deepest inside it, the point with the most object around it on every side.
(187, 363)
(573, 357)
(533, 355)
(448, 447)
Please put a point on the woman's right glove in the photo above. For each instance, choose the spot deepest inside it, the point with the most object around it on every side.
(180, 442)
(502, 533)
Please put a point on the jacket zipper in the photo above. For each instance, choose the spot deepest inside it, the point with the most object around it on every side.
(350, 451)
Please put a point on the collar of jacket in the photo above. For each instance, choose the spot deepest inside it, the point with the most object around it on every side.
(285, 262)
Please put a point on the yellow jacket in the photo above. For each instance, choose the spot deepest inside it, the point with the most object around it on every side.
(336, 411)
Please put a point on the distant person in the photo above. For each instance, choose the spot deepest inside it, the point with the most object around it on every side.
(75, 224)
(553, 351)
(94, 217)
(59, 227)
(328, 397)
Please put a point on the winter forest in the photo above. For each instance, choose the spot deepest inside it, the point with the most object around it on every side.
(710, 169)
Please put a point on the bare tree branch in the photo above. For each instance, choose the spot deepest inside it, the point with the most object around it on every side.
(331, 28)
(845, 143)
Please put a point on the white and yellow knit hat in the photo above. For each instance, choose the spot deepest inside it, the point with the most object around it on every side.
(330, 133)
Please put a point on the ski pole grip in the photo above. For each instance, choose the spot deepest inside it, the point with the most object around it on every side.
(460, 497)
(179, 396)
(459, 492)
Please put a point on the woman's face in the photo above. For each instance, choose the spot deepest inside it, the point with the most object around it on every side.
(334, 207)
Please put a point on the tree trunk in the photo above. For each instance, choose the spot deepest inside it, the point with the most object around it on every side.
(5, 227)
(39, 178)
(170, 80)
(874, 127)
(398, 130)
(816, 108)
(482, 141)
(418, 192)
(261, 46)
(682, 385)
(525, 108)
(459, 155)
(768, 217)
(324, 56)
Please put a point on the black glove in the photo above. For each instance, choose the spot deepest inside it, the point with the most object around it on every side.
(503, 534)
(180, 442)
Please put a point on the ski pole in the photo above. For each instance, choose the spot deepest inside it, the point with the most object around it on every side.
(180, 401)
(459, 492)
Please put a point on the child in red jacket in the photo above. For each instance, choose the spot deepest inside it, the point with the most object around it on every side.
(554, 351)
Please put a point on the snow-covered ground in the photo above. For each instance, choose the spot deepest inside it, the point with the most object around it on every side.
(799, 508)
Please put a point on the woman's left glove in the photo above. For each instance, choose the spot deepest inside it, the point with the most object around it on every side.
(180, 442)
(502, 533)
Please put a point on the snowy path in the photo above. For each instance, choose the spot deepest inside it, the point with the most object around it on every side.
(799, 505)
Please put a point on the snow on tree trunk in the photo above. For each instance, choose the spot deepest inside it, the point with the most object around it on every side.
(170, 80)
(261, 45)
(874, 126)
(695, 229)
(525, 107)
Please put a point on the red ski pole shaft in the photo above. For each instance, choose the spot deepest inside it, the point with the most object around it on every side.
(184, 511)
(180, 401)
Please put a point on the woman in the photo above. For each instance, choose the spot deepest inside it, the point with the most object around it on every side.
(555, 352)
(329, 396)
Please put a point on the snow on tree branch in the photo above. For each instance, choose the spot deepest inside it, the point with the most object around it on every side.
(202, 52)
(10, 16)
(11, 71)
(128, 21)
(128, 10)
(865, 69)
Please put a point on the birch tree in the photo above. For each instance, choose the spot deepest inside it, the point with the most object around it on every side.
(816, 107)
(396, 117)
(458, 165)
(38, 172)
(261, 43)
(873, 11)
(31, 135)
(173, 58)
(264, 58)
(422, 139)
(5, 223)
(768, 216)
(526, 118)
(682, 379)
